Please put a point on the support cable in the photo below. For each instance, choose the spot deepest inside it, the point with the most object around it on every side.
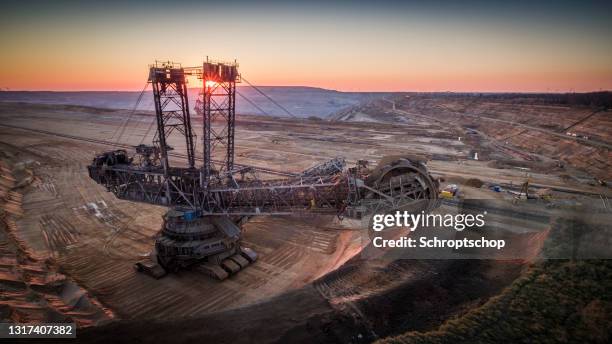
(146, 134)
(268, 97)
(128, 118)
(252, 103)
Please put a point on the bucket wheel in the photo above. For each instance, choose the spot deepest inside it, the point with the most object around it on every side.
(401, 185)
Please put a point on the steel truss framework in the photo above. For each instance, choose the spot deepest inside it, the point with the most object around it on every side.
(171, 109)
(222, 189)
(219, 107)
(244, 197)
(247, 195)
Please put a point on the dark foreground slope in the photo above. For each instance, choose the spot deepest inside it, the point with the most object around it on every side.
(555, 301)
(431, 292)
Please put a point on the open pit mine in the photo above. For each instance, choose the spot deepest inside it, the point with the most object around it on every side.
(190, 220)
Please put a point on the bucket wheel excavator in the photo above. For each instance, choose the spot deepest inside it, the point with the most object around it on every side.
(209, 202)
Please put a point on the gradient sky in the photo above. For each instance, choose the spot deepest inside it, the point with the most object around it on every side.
(529, 46)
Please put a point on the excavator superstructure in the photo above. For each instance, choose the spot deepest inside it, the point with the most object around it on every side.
(211, 196)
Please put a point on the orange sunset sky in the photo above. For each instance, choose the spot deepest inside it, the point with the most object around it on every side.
(348, 46)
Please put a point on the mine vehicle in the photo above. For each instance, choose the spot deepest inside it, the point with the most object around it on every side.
(210, 202)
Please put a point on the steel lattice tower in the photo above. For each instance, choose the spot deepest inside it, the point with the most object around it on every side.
(171, 109)
(219, 116)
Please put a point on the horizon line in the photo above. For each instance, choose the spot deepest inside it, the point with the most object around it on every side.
(334, 90)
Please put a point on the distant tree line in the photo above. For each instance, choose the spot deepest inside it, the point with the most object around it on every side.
(602, 99)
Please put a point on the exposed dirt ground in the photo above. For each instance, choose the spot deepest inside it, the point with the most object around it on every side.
(310, 282)
(95, 239)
